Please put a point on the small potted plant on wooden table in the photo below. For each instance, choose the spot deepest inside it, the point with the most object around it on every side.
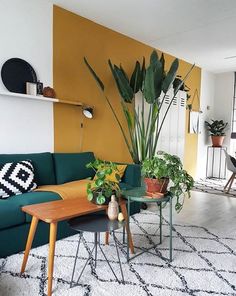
(103, 186)
(217, 131)
(162, 170)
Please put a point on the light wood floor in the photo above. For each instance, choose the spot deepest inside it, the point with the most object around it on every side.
(208, 210)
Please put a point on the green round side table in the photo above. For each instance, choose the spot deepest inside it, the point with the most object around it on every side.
(138, 195)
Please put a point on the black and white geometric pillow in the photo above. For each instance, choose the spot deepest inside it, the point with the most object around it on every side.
(16, 178)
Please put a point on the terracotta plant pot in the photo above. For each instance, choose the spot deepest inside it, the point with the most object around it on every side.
(217, 141)
(156, 185)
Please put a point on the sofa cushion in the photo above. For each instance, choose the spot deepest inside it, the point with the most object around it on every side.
(10, 212)
(132, 175)
(16, 178)
(10, 209)
(125, 186)
(72, 166)
(42, 162)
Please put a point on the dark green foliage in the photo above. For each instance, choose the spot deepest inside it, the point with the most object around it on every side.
(98, 80)
(136, 78)
(122, 82)
(102, 188)
(216, 127)
(169, 166)
(170, 76)
(151, 80)
(149, 86)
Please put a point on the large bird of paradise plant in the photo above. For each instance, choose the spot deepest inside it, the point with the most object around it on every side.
(151, 81)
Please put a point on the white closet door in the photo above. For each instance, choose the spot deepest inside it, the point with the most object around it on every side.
(181, 124)
(173, 131)
(164, 141)
(172, 136)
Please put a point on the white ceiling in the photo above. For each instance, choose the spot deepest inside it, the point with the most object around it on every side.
(198, 31)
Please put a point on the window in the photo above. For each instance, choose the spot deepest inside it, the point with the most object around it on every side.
(233, 131)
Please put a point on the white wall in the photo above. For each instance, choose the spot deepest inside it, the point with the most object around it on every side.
(26, 32)
(207, 108)
(224, 91)
(217, 93)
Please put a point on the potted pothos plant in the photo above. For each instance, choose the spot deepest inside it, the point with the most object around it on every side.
(217, 131)
(163, 168)
(100, 190)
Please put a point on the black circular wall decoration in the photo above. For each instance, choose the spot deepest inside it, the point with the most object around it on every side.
(15, 73)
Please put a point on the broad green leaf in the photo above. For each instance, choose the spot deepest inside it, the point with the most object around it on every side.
(135, 79)
(153, 57)
(98, 80)
(162, 60)
(90, 196)
(131, 128)
(158, 79)
(99, 182)
(108, 193)
(170, 76)
(126, 90)
(154, 61)
(108, 171)
(124, 73)
(101, 199)
(143, 72)
(114, 75)
(123, 86)
(149, 86)
(100, 174)
(129, 117)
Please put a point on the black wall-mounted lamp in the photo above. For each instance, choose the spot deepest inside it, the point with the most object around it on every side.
(87, 111)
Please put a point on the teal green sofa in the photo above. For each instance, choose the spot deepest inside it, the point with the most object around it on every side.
(50, 169)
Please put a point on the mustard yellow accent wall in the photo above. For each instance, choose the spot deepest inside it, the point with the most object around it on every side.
(73, 38)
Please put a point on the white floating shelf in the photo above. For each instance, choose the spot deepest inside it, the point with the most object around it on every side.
(40, 98)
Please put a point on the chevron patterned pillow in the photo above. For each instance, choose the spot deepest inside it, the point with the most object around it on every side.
(16, 178)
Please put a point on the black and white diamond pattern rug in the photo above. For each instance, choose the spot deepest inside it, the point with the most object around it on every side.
(204, 263)
(214, 186)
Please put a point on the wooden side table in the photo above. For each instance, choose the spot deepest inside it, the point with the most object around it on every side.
(54, 212)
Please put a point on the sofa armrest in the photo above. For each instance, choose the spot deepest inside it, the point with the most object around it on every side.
(132, 175)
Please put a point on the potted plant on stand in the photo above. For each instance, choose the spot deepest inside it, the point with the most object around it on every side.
(217, 131)
(105, 183)
(163, 168)
(143, 94)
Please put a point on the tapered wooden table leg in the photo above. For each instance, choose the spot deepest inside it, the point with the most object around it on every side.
(124, 212)
(30, 239)
(52, 242)
(107, 238)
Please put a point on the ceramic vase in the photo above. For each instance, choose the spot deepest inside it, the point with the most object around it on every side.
(113, 209)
